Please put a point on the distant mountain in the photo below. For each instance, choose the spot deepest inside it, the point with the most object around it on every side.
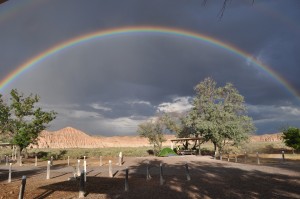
(73, 138)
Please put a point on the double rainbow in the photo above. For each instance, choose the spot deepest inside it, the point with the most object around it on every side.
(141, 29)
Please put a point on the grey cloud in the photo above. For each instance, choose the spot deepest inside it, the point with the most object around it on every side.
(109, 79)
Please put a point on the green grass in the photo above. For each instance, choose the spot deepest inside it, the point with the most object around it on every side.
(206, 149)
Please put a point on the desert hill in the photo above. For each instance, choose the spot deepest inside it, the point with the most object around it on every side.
(73, 138)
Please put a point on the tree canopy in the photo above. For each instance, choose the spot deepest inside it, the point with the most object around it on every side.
(153, 131)
(291, 137)
(219, 115)
(21, 120)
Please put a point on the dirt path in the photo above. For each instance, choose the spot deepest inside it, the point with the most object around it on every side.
(209, 179)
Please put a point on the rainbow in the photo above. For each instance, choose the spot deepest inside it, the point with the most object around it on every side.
(141, 29)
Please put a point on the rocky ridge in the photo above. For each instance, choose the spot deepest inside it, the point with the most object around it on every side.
(73, 138)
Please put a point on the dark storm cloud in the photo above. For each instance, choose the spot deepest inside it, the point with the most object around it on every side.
(115, 83)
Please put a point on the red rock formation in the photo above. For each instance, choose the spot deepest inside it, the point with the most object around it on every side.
(267, 138)
(72, 138)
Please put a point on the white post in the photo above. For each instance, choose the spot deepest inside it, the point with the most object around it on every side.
(35, 164)
(81, 186)
(110, 173)
(48, 170)
(100, 161)
(120, 159)
(9, 173)
(172, 145)
(84, 168)
(20, 160)
(257, 156)
(78, 167)
(6, 160)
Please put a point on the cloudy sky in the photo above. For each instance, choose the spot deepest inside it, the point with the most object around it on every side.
(108, 86)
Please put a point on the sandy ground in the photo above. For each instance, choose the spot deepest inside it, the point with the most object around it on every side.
(209, 179)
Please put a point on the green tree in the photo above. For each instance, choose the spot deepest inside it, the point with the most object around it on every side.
(21, 120)
(153, 131)
(176, 123)
(219, 115)
(291, 138)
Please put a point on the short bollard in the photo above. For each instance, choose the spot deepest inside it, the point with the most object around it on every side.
(110, 172)
(6, 160)
(161, 179)
(82, 186)
(257, 157)
(126, 180)
(68, 160)
(187, 172)
(22, 188)
(84, 170)
(35, 163)
(282, 156)
(9, 173)
(48, 170)
(120, 158)
(100, 163)
(148, 176)
(78, 167)
(51, 161)
(20, 160)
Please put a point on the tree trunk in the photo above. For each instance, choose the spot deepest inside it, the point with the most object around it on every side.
(215, 147)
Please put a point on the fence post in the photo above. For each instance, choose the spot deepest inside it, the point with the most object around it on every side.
(187, 172)
(148, 176)
(161, 180)
(126, 180)
(110, 173)
(78, 167)
(9, 173)
(22, 188)
(82, 186)
(6, 160)
(84, 169)
(257, 156)
(48, 170)
(100, 161)
(51, 161)
(120, 158)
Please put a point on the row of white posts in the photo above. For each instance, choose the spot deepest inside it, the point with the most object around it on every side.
(245, 157)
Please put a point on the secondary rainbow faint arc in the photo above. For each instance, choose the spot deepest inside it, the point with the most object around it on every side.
(141, 29)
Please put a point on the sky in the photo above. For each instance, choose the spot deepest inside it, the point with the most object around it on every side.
(109, 85)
